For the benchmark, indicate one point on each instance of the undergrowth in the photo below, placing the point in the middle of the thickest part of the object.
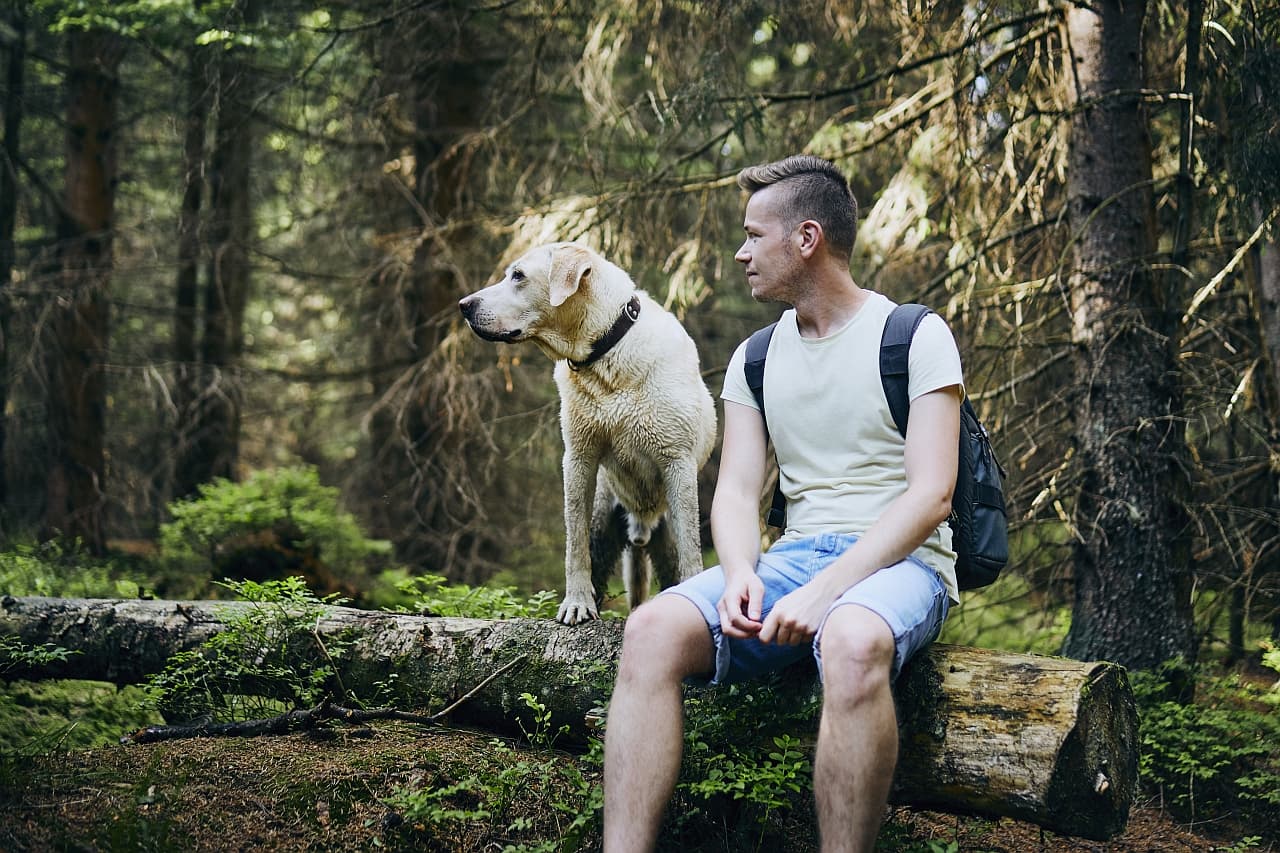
(66, 571)
(433, 595)
(475, 803)
(1217, 755)
(269, 658)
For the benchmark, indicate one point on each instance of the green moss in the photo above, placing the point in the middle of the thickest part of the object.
(69, 714)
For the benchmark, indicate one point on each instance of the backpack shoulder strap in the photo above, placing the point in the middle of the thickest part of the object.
(895, 351)
(757, 350)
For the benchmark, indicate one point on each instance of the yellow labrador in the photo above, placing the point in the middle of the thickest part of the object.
(637, 420)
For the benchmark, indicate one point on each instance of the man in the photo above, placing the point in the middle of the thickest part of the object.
(863, 575)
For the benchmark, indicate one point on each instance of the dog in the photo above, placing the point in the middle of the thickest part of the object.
(637, 420)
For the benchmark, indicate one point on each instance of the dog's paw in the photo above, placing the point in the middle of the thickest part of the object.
(576, 609)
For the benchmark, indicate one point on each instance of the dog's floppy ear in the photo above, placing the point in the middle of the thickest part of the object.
(569, 267)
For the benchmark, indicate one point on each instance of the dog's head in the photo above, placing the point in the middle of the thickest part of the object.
(531, 294)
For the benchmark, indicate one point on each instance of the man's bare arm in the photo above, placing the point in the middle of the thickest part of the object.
(735, 517)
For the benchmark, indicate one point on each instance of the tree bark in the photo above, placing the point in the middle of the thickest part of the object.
(187, 473)
(1042, 739)
(75, 492)
(15, 67)
(213, 428)
(1132, 559)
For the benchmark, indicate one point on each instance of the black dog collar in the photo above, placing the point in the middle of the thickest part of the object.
(630, 313)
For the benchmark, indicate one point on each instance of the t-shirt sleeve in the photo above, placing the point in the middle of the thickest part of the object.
(735, 388)
(934, 360)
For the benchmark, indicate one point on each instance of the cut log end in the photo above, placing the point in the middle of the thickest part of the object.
(1096, 774)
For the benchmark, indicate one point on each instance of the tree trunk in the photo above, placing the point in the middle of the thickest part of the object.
(186, 474)
(75, 495)
(15, 66)
(1266, 309)
(213, 439)
(1042, 739)
(1132, 561)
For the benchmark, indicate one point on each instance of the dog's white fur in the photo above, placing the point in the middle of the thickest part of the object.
(637, 425)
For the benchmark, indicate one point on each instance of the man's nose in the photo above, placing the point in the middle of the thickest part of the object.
(741, 256)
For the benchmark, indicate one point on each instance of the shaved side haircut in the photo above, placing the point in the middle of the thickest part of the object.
(812, 188)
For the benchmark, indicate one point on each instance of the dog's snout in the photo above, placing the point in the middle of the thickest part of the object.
(467, 305)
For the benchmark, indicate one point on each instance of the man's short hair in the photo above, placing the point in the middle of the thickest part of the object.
(813, 189)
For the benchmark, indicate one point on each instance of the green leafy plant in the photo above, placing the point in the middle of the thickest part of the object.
(15, 653)
(540, 735)
(276, 522)
(1271, 660)
(433, 595)
(762, 782)
(1215, 755)
(268, 657)
(55, 569)
(765, 782)
(549, 795)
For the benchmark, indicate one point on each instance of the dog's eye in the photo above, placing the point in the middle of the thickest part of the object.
(517, 275)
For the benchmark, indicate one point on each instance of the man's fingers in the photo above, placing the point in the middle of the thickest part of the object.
(742, 625)
(785, 632)
(769, 629)
(734, 618)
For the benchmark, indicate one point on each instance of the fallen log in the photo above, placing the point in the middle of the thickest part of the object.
(1036, 738)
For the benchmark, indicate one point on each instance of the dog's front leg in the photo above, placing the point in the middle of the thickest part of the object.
(682, 503)
(579, 603)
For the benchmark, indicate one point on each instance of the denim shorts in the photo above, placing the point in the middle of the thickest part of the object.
(908, 596)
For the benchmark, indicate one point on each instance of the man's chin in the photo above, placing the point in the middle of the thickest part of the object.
(760, 295)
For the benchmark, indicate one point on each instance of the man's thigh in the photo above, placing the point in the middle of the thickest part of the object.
(909, 598)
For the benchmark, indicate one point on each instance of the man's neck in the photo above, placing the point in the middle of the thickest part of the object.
(829, 307)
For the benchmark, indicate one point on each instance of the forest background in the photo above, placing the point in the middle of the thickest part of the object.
(233, 235)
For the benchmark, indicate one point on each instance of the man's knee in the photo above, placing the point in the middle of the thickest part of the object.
(857, 649)
(666, 636)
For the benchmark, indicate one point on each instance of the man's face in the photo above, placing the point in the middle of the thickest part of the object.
(768, 253)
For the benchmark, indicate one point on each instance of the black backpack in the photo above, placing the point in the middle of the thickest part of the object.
(979, 530)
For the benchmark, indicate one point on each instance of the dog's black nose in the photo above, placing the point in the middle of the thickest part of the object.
(467, 305)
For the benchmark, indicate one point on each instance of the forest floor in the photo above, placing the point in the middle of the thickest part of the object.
(339, 793)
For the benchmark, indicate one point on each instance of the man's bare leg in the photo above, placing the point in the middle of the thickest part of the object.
(666, 640)
(858, 736)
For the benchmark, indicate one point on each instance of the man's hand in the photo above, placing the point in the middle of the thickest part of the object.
(740, 605)
(798, 615)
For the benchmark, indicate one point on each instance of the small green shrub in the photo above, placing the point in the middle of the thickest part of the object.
(277, 522)
(1214, 756)
(268, 659)
(755, 785)
(15, 653)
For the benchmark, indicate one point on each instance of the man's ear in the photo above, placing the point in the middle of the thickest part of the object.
(569, 268)
(809, 236)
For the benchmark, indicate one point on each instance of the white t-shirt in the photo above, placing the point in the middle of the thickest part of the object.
(839, 453)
